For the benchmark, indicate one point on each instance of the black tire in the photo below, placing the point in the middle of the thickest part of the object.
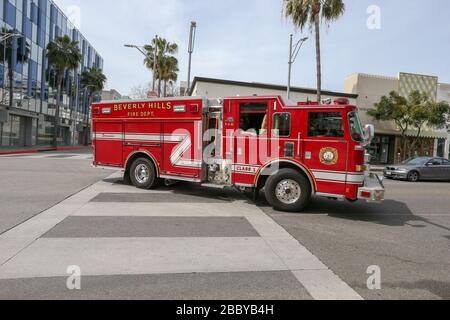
(284, 175)
(413, 176)
(143, 181)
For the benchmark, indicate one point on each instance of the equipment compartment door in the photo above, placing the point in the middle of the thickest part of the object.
(108, 144)
(182, 151)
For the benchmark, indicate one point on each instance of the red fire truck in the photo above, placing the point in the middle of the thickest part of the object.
(252, 143)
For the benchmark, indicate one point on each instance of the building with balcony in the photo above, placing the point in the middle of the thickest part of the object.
(29, 122)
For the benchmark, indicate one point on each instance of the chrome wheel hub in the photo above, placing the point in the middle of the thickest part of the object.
(142, 173)
(288, 191)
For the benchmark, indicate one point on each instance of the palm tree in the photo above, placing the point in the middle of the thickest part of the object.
(93, 80)
(165, 49)
(310, 13)
(169, 71)
(63, 54)
(6, 55)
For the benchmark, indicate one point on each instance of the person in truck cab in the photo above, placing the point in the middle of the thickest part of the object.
(245, 128)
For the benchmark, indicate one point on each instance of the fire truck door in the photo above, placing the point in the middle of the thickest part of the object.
(325, 151)
(251, 139)
(109, 143)
(182, 151)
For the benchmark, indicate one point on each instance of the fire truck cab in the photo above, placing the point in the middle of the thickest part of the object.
(292, 151)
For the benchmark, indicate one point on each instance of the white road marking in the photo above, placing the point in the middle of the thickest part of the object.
(325, 285)
(124, 256)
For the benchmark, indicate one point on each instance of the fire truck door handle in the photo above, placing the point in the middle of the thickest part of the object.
(299, 145)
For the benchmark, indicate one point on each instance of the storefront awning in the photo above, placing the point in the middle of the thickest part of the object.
(429, 134)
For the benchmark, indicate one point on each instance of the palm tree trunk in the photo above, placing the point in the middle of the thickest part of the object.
(318, 60)
(159, 88)
(165, 89)
(88, 130)
(58, 101)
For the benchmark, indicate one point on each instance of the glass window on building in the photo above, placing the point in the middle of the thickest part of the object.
(34, 125)
(45, 131)
(16, 133)
(2, 5)
(381, 149)
(6, 133)
(441, 148)
(19, 20)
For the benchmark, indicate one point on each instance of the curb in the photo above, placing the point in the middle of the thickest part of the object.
(43, 150)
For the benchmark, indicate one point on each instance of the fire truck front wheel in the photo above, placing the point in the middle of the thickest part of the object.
(143, 174)
(288, 190)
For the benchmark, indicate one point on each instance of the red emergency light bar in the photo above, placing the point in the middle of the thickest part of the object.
(337, 101)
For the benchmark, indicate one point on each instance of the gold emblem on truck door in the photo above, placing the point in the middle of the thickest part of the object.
(329, 156)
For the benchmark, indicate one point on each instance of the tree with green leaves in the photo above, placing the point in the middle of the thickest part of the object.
(169, 71)
(6, 55)
(311, 13)
(165, 50)
(63, 55)
(415, 112)
(93, 80)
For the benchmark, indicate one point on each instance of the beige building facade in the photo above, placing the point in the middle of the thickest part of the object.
(109, 95)
(369, 90)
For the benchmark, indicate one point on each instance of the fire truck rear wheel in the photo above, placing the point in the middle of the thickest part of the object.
(143, 174)
(288, 190)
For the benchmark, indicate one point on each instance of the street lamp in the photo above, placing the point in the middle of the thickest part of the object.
(136, 47)
(141, 50)
(190, 51)
(293, 53)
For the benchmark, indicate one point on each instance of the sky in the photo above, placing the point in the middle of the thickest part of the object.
(248, 40)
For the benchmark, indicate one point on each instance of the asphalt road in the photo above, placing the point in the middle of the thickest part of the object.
(407, 237)
(30, 185)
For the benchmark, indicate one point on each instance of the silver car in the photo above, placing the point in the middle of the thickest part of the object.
(423, 168)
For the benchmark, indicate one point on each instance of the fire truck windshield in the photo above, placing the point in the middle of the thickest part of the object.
(355, 127)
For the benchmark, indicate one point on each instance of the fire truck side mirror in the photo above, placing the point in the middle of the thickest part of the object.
(369, 132)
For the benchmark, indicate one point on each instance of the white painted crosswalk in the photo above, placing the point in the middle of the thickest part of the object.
(45, 246)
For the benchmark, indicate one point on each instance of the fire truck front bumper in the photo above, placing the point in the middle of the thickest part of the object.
(373, 190)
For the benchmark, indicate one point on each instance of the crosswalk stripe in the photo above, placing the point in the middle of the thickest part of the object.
(121, 256)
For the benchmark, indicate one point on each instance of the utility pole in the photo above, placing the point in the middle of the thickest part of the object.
(190, 51)
(293, 53)
(154, 63)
